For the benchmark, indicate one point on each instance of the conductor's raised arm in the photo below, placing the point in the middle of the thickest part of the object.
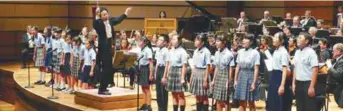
(119, 19)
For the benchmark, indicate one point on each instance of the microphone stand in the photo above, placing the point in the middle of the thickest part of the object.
(52, 81)
(29, 86)
(137, 80)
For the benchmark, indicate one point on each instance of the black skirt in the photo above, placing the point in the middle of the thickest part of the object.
(65, 69)
(144, 75)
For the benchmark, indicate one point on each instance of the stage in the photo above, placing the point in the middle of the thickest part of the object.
(36, 98)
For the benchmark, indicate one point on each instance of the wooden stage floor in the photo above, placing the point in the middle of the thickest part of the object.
(20, 76)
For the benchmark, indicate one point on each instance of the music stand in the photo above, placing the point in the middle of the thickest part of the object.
(227, 23)
(28, 74)
(278, 19)
(273, 29)
(118, 60)
(254, 28)
(333, 39)
(269, 23)
(322, 33)
(296, 31)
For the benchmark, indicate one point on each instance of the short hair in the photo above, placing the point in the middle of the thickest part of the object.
(29, 26)
(35, 28)
(58, 30)
(102, 9)
(339, 46)
(294, 39)
(202, 37)
(222, 38)
(280, 36)
(320, 21)
(77, 40)
(323, 40)
(307, 37)
(297, 17)
(308, 11)
(166, 38)
(266, 11)
(249, 37)
(313, 29)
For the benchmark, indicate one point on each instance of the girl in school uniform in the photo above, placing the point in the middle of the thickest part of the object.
(246, 74)
(61, 78)
(39, 53)
(65, 68)
(57, 54)
(224, 64)
(52, 46)
(89, 64)
(175, 71)
(161, 58)
(146, 72)
(277, 82)
(200, 73)
(48, 46)
(75, 63)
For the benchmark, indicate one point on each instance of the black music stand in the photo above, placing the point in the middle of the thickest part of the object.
(322, 33)
(333, 39)
(53, 80)
(296, 31)
(273, 30)
(254, 28)
(29, 86)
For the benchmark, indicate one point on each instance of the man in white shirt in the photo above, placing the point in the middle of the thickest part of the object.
(27, 46)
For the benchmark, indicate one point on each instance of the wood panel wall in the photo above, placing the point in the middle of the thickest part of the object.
(76, 14)
(320, 9)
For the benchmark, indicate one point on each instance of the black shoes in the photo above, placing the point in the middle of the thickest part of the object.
(106, 92)
(145, 107)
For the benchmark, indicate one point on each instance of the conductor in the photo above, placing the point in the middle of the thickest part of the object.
(103, 24)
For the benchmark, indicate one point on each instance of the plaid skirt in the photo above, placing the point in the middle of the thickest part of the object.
(196, 86)
(221, 91)
(39, 57)
(144, 75)
(48, 58)
(75, 69)
(242, 90)
(56, 61)
(65, 69)
(174, 80)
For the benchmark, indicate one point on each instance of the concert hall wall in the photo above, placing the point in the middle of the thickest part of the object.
(15, 16)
